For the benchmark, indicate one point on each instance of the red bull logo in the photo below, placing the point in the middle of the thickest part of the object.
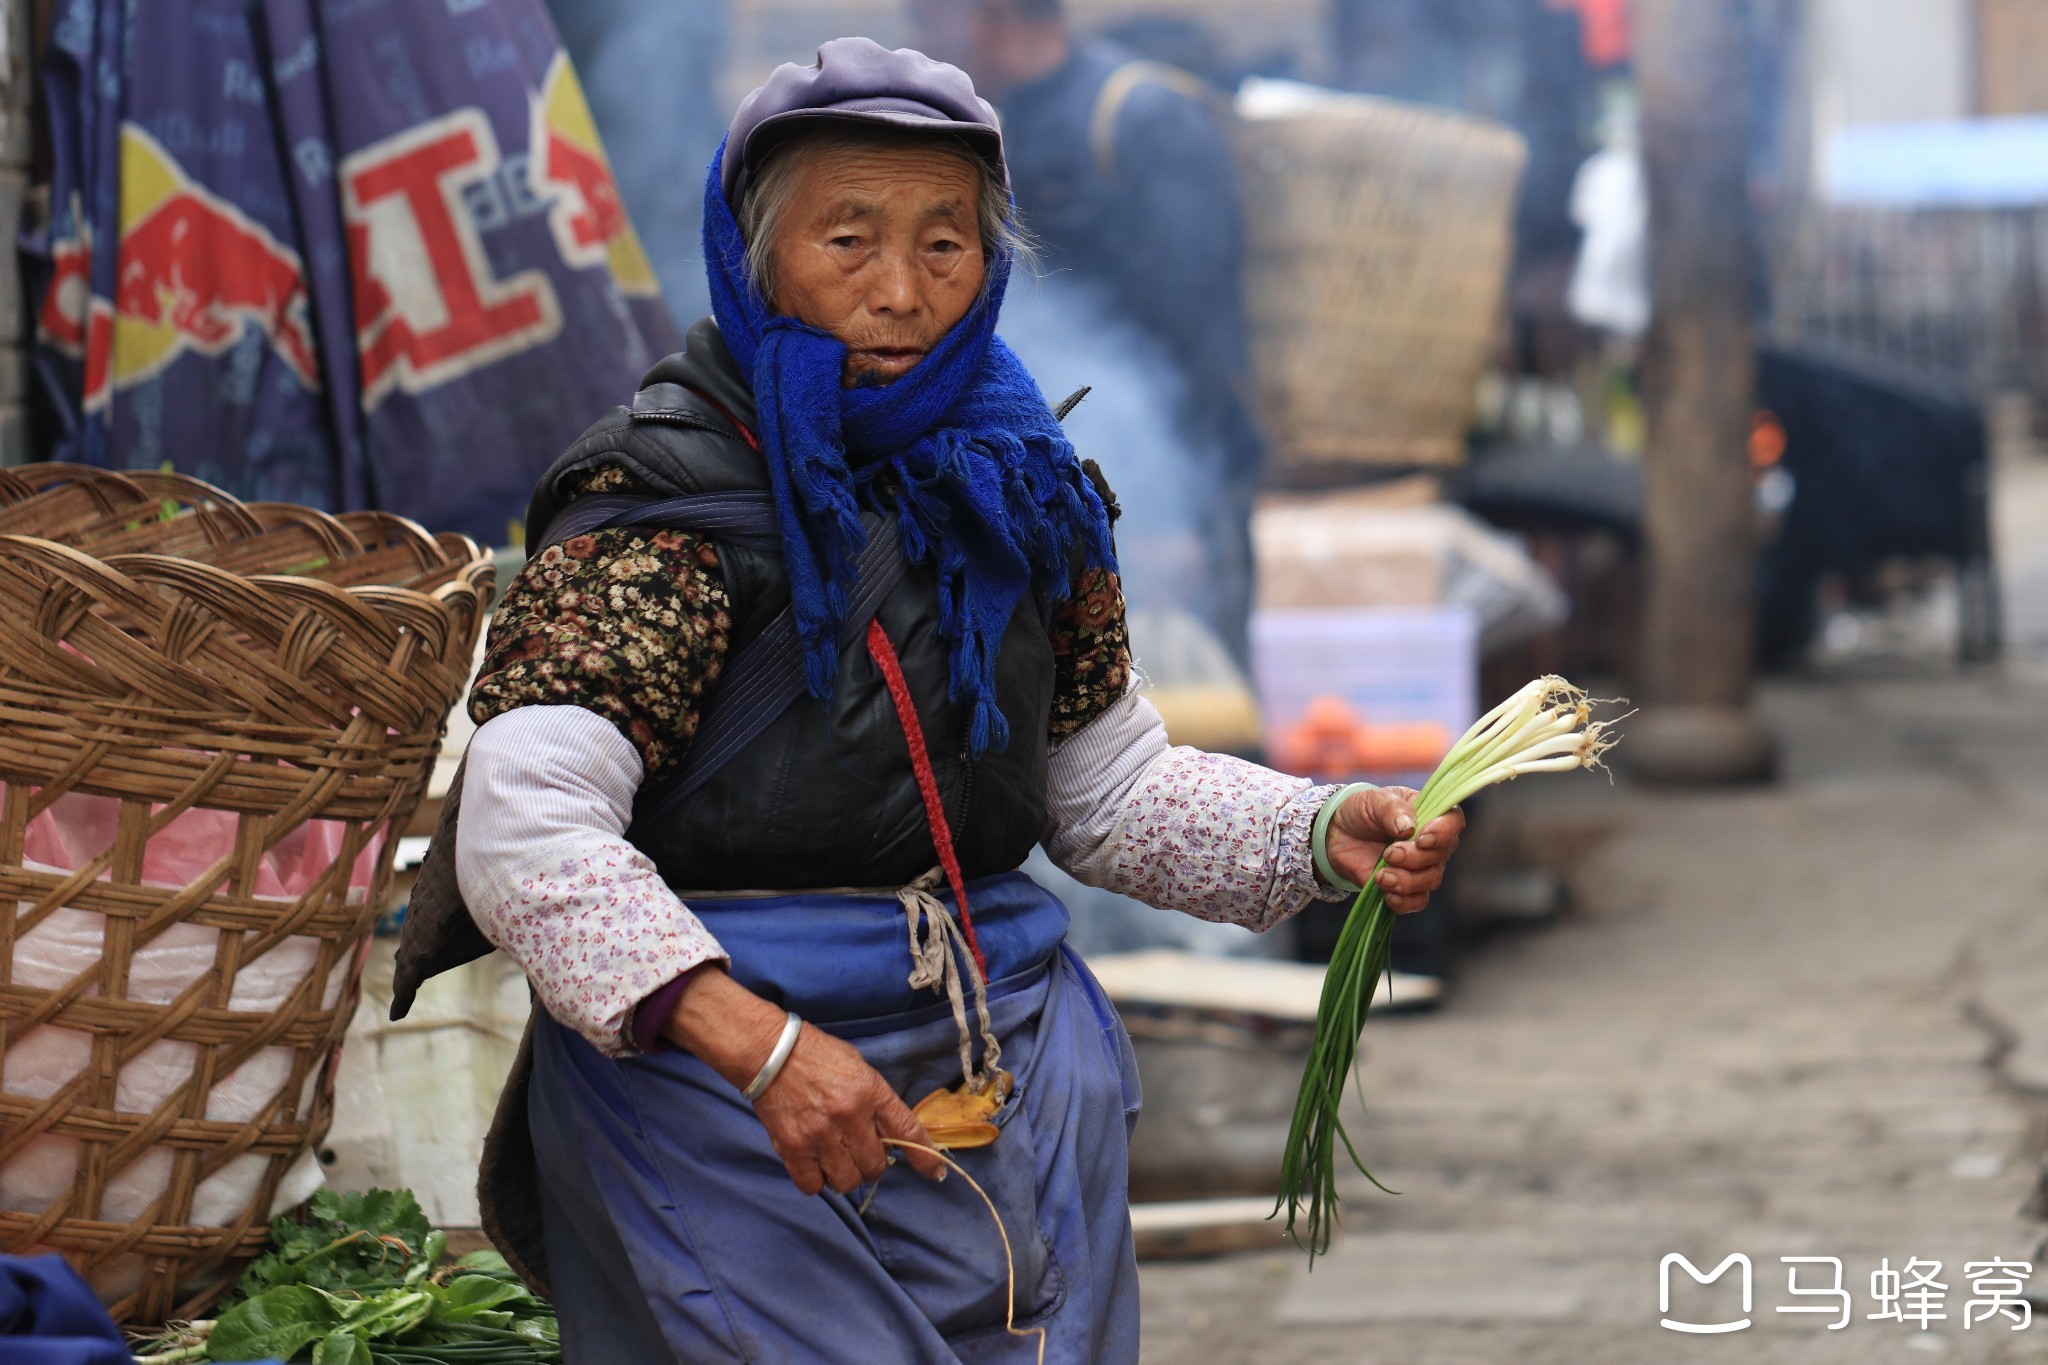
(428, 308)
(195, 274)
(71, 321)
(568, 167)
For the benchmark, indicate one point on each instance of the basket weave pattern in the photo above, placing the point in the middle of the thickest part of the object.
(1378, 242)
(168, 654)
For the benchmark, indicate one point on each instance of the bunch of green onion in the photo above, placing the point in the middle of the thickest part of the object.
(1547, 727)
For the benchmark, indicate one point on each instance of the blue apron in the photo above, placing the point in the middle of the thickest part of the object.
(674, 1231)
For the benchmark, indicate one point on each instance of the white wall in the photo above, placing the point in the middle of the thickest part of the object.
(1890, 61)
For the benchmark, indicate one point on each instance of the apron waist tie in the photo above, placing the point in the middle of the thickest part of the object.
(937, 948)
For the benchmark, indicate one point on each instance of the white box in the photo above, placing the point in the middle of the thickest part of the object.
(1390, 665)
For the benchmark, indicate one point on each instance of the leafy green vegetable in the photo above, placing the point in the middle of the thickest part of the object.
(348, 1242)
(281, 1323)
(487, 1262)
(390, 1314)
(430, 1256)
(465, 1296)
(342, 1348)
(358, 1281)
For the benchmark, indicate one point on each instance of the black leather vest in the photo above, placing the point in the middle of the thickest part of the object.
(825, 797)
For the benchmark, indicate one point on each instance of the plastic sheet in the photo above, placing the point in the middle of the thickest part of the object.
(72, 832)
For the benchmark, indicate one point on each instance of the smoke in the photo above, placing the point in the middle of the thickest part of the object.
(1068, 336)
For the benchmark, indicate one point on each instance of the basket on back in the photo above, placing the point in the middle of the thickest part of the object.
(214, 719)
(1379, 236)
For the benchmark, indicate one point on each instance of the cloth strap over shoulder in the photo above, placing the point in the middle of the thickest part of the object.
(1125, 82)
(745, 517)
(765, 676)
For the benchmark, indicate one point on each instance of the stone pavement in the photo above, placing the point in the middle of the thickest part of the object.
(1771, 1025)
(1810, 1020)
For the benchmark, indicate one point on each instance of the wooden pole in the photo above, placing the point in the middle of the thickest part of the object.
(1699, 378)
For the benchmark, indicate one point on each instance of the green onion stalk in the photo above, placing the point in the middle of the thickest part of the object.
(1547, 727)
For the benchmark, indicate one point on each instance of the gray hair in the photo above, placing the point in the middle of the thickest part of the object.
(772, 185)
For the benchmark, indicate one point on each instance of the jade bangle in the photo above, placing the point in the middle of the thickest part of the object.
(1318, 840)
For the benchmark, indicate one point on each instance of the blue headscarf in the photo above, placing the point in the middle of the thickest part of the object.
(990, 489)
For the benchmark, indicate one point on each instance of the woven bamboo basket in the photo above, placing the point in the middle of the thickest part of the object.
(214, 719)
(1379, 236)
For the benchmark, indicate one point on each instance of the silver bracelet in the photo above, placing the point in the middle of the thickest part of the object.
(772, 1068)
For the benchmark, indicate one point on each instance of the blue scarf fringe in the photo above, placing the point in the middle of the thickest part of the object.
(991, 491)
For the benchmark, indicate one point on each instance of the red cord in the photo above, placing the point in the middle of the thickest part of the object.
(884, 655)
(753, 441)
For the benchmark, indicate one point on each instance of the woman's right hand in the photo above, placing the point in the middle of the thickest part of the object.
(826, 1111)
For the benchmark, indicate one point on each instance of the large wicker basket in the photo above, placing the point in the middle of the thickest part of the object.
(214, 719)
(1379, 239)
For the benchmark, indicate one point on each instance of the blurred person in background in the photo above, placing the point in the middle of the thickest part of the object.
(1122, 171)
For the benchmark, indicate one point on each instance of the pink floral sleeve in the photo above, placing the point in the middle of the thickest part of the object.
(1207, 834)
(1217, 838)
(597, 931)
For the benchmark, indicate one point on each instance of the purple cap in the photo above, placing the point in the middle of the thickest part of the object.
(857, 80)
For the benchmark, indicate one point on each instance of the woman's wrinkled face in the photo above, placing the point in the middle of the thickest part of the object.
(880, 247)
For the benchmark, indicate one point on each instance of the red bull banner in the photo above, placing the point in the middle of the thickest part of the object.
(352, 253)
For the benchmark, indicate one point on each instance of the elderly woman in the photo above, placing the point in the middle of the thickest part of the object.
(825, 635)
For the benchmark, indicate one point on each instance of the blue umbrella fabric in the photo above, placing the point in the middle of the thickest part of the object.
(348, 253)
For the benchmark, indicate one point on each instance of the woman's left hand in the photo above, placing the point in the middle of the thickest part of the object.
(1382, 821)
